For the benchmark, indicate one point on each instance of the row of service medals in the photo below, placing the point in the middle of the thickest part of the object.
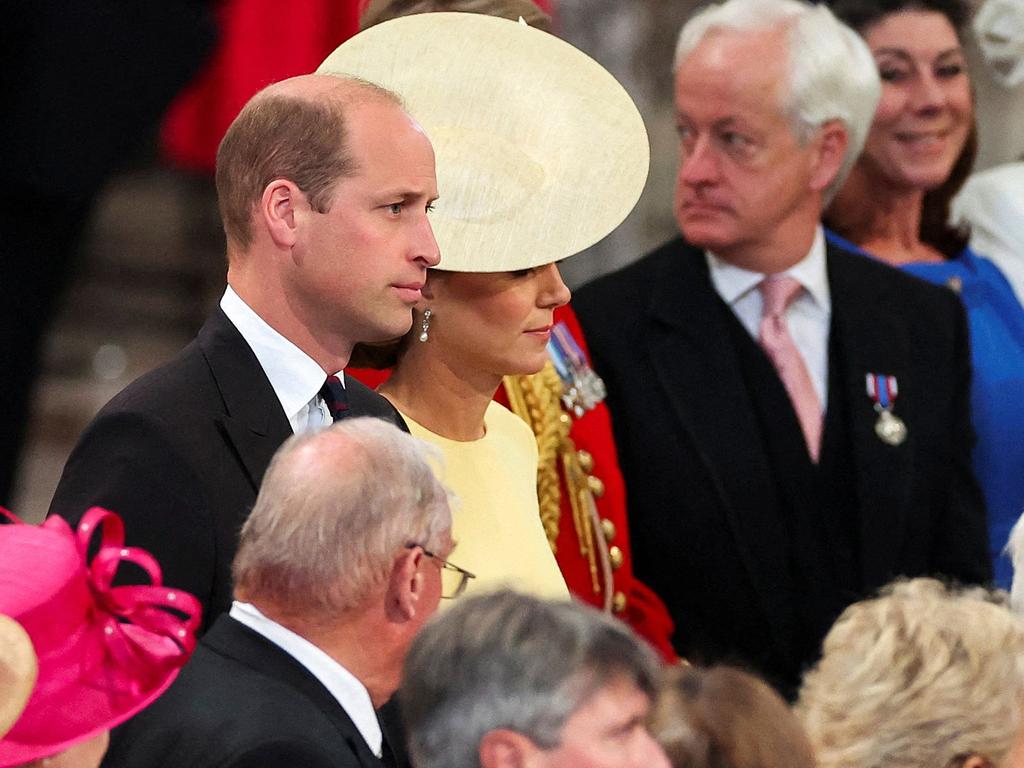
(582, 388)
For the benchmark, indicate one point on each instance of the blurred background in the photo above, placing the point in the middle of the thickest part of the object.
(113, 252)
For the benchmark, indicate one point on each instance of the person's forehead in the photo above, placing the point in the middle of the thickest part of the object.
(917, 34)
(372, 114)
(383, 136)
(618, 701)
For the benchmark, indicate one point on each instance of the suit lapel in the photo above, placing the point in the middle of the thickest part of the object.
(697, 367)
(253, 422)
(365, 402)
(230, 638)
(873, 340)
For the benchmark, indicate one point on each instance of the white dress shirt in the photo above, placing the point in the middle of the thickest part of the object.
(294, 375)
(808, 317)
(342, 684)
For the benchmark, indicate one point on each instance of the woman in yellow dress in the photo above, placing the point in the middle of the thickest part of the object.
(482, 327)
(540, 153)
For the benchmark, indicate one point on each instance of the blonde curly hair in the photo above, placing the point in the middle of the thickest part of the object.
(923, 676)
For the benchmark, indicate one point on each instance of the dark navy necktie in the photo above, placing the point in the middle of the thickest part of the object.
(335, 396)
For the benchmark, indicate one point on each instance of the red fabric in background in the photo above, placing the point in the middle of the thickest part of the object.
(262, 41)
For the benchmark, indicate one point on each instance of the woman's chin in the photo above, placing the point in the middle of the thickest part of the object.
(921, 177)
(527, 366)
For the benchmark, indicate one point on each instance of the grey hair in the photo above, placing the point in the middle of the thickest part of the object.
(510, 661)
(832, 74)
(334, 509)
(922, 676)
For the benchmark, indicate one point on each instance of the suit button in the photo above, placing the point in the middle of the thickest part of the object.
(596, 486)
(608, 529)
(615, 558)
(619, 602)
(586, 461)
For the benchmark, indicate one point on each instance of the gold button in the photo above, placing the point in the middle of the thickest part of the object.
(586, 460)
(619, 602)
(615, 557)
(564, 418)
(955, 284)
(596, 486)
(608, 529)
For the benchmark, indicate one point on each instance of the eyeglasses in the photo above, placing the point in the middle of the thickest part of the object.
(454, 579)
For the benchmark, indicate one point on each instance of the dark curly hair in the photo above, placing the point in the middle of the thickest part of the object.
(862, 15)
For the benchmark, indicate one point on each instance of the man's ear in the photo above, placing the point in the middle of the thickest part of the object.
(503, 748)
(829, 151)
(976, 761)
(282, 209)
(405, 585)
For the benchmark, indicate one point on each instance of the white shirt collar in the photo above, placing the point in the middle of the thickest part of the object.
(733, 283)
(295, 377)
(342, 684)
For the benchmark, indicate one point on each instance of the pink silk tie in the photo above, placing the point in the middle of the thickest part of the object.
(778, 294)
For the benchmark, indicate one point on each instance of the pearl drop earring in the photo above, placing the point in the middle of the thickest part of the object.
(425, 327)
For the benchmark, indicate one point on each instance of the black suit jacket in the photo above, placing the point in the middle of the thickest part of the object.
(180, 454)
(709, 532)
(241, 702)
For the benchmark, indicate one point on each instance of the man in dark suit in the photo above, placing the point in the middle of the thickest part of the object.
(786, 452)
(324, 185)
(338, 566)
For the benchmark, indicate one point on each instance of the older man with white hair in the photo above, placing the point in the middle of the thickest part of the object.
(337, 568)
(792, 419)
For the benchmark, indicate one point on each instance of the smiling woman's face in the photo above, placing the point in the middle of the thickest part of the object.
(926, 110)
(493, 323)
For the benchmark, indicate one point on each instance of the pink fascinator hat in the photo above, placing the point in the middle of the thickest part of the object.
(104, 652)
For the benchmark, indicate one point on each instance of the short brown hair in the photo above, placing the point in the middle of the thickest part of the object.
(721, 717)
(279, 137)
(377, 11)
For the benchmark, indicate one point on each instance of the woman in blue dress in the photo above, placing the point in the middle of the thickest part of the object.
(895, 207)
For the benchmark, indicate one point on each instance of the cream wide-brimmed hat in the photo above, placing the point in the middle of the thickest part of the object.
(18, 670)
(540, 152)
